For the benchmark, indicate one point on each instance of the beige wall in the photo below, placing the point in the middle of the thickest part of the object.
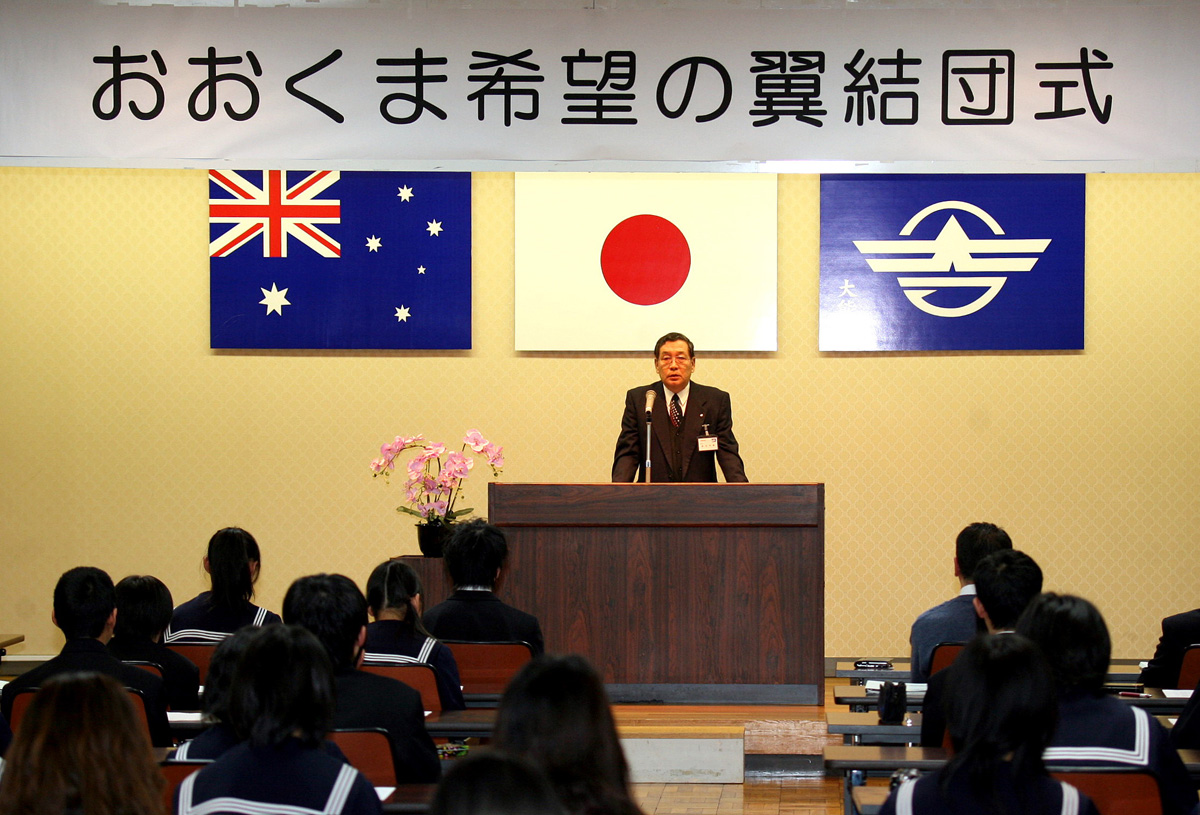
(126, 442)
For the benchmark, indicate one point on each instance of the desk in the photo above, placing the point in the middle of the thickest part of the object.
(864, 728)
(475, 722)
(447, 724)
(7, 640)
(409, 798)
(847, 759)
(859, 699)
(1120, 672)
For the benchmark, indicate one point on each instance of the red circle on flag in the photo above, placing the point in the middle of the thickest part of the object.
(645, 260)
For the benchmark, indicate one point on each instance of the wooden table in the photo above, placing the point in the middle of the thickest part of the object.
(475, 722)
(859, 699)
(1120, 672)
(409, 798)
(864, 728)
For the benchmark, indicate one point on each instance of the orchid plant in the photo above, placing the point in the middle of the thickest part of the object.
(435, 476)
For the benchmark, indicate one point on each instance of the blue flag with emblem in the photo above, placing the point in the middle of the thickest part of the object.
(339, 260)
(952, 262)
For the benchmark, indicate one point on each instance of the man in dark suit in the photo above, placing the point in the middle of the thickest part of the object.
(475, 557)
(85, 608)
(1178, 632)
(692, 424)
(333, 608)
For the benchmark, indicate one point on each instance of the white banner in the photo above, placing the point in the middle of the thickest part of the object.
(257, 86)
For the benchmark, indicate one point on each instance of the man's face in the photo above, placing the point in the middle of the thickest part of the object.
(675, 365)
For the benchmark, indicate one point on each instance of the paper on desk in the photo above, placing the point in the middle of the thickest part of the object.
(384, 792)
(875, 685)
(1177, 693)
(184, 716)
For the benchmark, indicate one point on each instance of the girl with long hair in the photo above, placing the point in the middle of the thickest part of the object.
(81, 750)
(398, 635)
(232, 562)
(556, 714)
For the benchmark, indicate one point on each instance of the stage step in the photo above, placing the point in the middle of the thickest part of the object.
(706, 754)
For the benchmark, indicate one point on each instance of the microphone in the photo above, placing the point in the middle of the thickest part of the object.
(651, 395)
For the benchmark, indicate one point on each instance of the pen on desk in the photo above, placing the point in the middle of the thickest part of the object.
(1128, 694)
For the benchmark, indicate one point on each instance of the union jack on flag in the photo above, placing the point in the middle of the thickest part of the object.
(274, 211)
(349, 259)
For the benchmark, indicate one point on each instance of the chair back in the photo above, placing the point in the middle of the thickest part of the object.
(944, 654)
(1115, 791)
(420, 676)
(20, 704)
(173, 772)
(149, 667)
(201, 655)
(24, 698)
(369, 750)
(487, 667)
(1189, 670)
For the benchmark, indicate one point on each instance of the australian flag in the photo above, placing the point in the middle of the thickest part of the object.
(952, 262)
(333, 259)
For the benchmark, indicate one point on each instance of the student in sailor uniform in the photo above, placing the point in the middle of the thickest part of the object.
(398, 636)
(282, 702)
(1095, 729)
(332, 607)
(232, 562)
(1000, 714)
(219, 736)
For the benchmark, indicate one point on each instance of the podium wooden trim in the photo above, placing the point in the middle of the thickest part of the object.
(686, 593)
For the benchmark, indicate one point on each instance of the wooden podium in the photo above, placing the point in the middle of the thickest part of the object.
(686, 593)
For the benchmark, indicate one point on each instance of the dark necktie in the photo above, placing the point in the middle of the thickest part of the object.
(676, 410)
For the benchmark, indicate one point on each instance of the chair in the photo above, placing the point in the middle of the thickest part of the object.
(1115, 791)
(173, 773)
(944, 654)
(420, 676)
(24, 697)
(201, 655)
(149, 667)
(369, 750)
(1189, 669)
(487, 667)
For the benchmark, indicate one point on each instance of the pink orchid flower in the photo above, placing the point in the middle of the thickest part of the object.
(475, 440)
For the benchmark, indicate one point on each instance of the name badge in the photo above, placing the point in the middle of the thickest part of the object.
(707, 444)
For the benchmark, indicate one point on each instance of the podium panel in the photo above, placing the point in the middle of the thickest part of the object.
(700, 593)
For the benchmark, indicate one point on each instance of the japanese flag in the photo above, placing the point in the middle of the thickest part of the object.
(612, 261)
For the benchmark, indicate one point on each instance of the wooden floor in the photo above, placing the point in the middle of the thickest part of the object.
(767, 796)
(775, 729)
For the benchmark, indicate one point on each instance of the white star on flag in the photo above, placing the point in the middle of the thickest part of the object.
(405, 193)
(435, 228)
(373, 243)
(274, 299)
(420, 270)
(402, 314)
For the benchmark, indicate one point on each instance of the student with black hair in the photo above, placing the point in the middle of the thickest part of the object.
(281, 704)
(556, 714)
(398, 636)
(143, 613)
(475, 556)
(85, 608)
(1001, 713)
(955, 620)
(232, 561)
(1005, 582)
(219, 736)
(495, 783)
(1095, 729)
(332, 608)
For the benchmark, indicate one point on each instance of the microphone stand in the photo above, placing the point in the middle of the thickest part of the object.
(647, 464)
